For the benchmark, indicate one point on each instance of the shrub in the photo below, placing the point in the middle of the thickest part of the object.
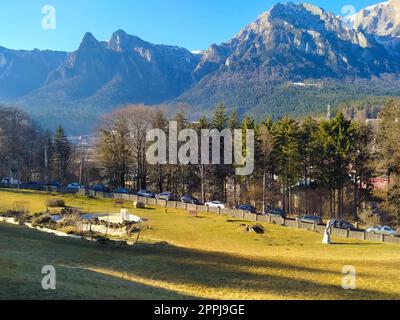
(10, 214)
(55, 203)
(139, 205)
(71, 212)
(41, 219)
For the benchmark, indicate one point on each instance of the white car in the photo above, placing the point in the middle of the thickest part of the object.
(10, 181)
(382, 230)
(215, 204)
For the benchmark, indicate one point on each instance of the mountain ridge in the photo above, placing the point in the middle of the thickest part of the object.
(290, 43)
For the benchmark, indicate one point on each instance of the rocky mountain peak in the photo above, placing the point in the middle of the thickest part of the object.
(89, 42)
(122, 41)
(382, 19)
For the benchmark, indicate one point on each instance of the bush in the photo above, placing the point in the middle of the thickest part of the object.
(72, 217)
(71, 212)
(139, 205)
(55, 203)
(41, 219)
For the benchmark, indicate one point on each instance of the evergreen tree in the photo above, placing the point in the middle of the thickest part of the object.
(61, 153)
(219, 118)
(265, 163)
(234, 120)
(388, 138)
(361, 164)
(335, 138)
(203, 169)
(220, 171)
(308, 153)
(286, 157)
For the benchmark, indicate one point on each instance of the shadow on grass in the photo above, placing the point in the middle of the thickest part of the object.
(32, 193)
(81, 284)
(360, 244)
(219, 274)
(238, 221)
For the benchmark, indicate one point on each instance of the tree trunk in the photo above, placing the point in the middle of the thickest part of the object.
(264, 191)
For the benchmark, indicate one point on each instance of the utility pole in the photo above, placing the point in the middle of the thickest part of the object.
(81, 164)
(46, 166)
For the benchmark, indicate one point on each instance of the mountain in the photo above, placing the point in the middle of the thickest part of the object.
(295, 58)
(261, 68)
(22, 71)
(123, 70)
(382, 21)
(102, 75)
(299, 41)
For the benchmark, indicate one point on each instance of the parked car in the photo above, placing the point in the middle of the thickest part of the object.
(74, 186)
(341, 224)
(146, 194)
(215, 204)
(276, 213)
(310, 219)
(54, 184)
(121, 191)
(34, 185)
(167, 196)
(247, 207)
(382, 230)
(100, 188)
(10, 181)
(190, 199)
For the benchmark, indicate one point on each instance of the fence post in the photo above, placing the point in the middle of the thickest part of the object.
(347, 233)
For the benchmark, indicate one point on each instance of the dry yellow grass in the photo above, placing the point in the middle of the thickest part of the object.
(208, 256)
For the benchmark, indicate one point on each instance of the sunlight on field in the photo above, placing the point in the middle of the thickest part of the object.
(184, 257)
(34, 202)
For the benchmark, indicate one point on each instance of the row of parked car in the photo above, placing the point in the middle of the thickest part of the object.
(275, 212)
(189, 199)
(339, 224)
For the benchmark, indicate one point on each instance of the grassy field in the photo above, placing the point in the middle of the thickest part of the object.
(183, 257)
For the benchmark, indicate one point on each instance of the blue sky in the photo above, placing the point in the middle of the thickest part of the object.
(193, 24)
